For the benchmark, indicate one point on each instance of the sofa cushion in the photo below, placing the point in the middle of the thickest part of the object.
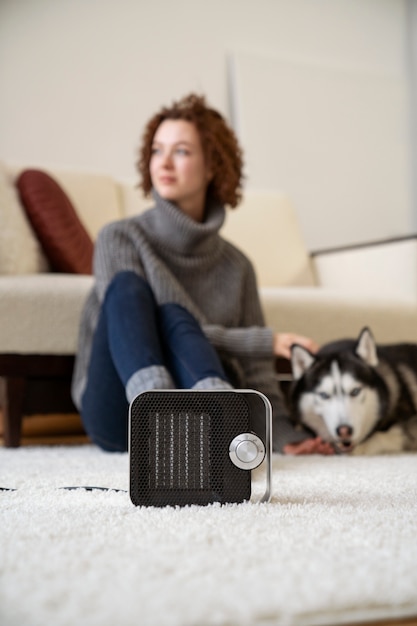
(66, 243)
(20, 250)
(329, 314)
(96, 197)
(40, 314)
(265, 227)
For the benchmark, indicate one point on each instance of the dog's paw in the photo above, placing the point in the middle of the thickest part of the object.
(390, 442)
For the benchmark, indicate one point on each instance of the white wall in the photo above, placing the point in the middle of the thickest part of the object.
(411, 54)
(79, 78)
(336, 136)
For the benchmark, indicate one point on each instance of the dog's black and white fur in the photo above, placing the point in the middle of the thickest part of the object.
(359, 396)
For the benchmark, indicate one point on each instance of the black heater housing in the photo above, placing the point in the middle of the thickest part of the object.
(197, 447)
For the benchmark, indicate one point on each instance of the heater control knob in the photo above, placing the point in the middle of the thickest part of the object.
(247, 451)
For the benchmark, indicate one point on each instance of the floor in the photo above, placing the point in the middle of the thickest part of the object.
(67, 430)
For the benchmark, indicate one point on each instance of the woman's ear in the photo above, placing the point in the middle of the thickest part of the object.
(209, 168)
(209, 174)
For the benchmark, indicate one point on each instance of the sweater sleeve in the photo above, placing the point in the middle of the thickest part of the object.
(255, 341)
(250, 338)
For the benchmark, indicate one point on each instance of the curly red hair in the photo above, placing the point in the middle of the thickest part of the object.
(220, 146)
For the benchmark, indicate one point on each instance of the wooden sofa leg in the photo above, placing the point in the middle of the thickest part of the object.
(14, 393)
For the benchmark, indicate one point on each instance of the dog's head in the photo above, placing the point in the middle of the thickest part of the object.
(338, 393)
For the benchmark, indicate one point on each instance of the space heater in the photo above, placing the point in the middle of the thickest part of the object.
(198, 447)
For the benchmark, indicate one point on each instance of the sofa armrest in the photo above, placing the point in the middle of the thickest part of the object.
(381, 268)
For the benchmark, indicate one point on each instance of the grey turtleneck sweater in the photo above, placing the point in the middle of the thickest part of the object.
(189, 263)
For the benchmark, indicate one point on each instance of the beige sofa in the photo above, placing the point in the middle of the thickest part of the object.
(325, 296)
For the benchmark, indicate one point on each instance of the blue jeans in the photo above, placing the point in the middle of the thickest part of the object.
(134, 333)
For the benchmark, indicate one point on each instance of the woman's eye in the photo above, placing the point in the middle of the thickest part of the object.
(355, 391)
(155, 151)
(182, 151)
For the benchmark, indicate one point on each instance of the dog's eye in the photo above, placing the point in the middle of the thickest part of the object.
(355, 391)
(323, 395)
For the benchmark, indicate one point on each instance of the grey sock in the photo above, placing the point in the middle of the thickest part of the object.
(212, 382)
(153, 377)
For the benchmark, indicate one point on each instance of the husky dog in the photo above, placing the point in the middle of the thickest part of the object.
(359, 396)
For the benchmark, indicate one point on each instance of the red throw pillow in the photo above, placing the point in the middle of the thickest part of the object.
(65, 241)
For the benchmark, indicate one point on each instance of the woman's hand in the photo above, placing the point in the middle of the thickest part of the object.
(309, 446)
(284, 341)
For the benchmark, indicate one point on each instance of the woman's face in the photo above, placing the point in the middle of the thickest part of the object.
(178, 169)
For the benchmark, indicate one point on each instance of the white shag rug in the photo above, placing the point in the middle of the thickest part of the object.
(337, 544)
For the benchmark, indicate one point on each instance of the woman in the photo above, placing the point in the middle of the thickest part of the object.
(174, 305)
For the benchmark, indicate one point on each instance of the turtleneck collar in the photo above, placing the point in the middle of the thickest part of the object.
(175, 231)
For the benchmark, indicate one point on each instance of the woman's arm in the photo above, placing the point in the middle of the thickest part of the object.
(115, 251)
(252, 338)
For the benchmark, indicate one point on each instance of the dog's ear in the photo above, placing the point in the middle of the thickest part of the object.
(366, 347)
(301, 360)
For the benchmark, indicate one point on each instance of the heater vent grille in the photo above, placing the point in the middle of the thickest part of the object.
(179, 450)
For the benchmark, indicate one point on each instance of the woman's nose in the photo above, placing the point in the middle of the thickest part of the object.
(167, 160)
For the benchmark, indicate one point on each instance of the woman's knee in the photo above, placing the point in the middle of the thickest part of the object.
(173, 315)
(128, 283)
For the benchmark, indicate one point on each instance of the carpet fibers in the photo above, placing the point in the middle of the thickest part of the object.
(337, 544)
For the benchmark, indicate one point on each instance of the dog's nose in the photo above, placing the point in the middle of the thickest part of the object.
(344, 431)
